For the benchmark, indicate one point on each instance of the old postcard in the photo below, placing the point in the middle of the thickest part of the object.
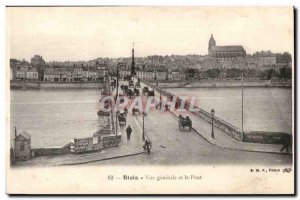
(150, 100)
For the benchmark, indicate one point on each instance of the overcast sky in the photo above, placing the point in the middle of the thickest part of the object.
(87, 33)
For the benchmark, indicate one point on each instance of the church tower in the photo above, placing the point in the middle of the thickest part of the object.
(132, 73)
(211, 43)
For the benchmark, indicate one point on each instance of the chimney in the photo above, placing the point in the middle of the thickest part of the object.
(16, 132)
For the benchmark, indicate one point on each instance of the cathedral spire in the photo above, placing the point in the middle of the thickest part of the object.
(211, 43)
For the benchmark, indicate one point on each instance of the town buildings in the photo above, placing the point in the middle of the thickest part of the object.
(262, 59)
(176, 75)
(32, 74)
(21, 73)
(26, 72)
(157, 68)
(76, 73)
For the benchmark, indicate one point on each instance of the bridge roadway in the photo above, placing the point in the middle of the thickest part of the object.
(170, 146)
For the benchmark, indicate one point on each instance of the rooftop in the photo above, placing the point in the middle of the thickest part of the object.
(25, 135)
(33, 70)
(23, 69)
(227, 48)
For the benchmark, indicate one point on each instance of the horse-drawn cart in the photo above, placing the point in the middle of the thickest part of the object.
(184, 122)
(145, 91)
(136, 92)
(122, 118)
(151, 93)
(135, 110)
(138, 85)
(131, 83)
(130, 93)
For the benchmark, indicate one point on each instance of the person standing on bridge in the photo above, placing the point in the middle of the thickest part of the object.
(286, 141)
(128, 131)
(147, 146)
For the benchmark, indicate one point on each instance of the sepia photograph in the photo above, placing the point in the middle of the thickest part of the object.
(150, 100)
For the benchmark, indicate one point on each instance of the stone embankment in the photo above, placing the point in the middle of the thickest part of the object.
(54, 85)
(222, 84)
(163, 84)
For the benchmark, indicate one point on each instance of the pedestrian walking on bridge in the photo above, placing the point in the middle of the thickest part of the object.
(147, 146)
(128, 131)
(286, 141)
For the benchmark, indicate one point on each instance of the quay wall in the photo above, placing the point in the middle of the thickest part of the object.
(51, 151)
(222, 84)
(76, 85)
(265, 137)
(17, 84)
(54, 85)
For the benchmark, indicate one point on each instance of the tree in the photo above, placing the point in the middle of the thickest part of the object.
(270, 73)
(285, 73)
(13, 62)
(39, 63)
(233, 73)
(213, 73)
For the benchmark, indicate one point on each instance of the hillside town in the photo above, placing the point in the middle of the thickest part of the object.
(221, 62)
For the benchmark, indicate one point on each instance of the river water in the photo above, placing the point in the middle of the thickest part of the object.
(265, 109)
(53, 117)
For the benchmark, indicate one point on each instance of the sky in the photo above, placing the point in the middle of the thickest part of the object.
(85, 33)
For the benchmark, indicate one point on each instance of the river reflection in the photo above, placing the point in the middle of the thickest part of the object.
(53, 117)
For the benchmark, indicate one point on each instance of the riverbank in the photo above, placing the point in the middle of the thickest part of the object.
(223, 84)
(163, 84)
(54, 85)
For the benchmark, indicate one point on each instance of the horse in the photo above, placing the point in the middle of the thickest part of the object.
(135, 110)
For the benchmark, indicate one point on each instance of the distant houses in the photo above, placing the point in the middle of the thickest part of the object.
(155, 73)
(99, 72)
(27, 73)
(221, 62)
(32, 74)
(21, 73)
(62, 74)
(261, 59)
(171, 75)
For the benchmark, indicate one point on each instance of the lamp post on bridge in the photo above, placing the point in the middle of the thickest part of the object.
(212, 123)
(155, 78)
(144, 115)
(117, 95)
(116, 98)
